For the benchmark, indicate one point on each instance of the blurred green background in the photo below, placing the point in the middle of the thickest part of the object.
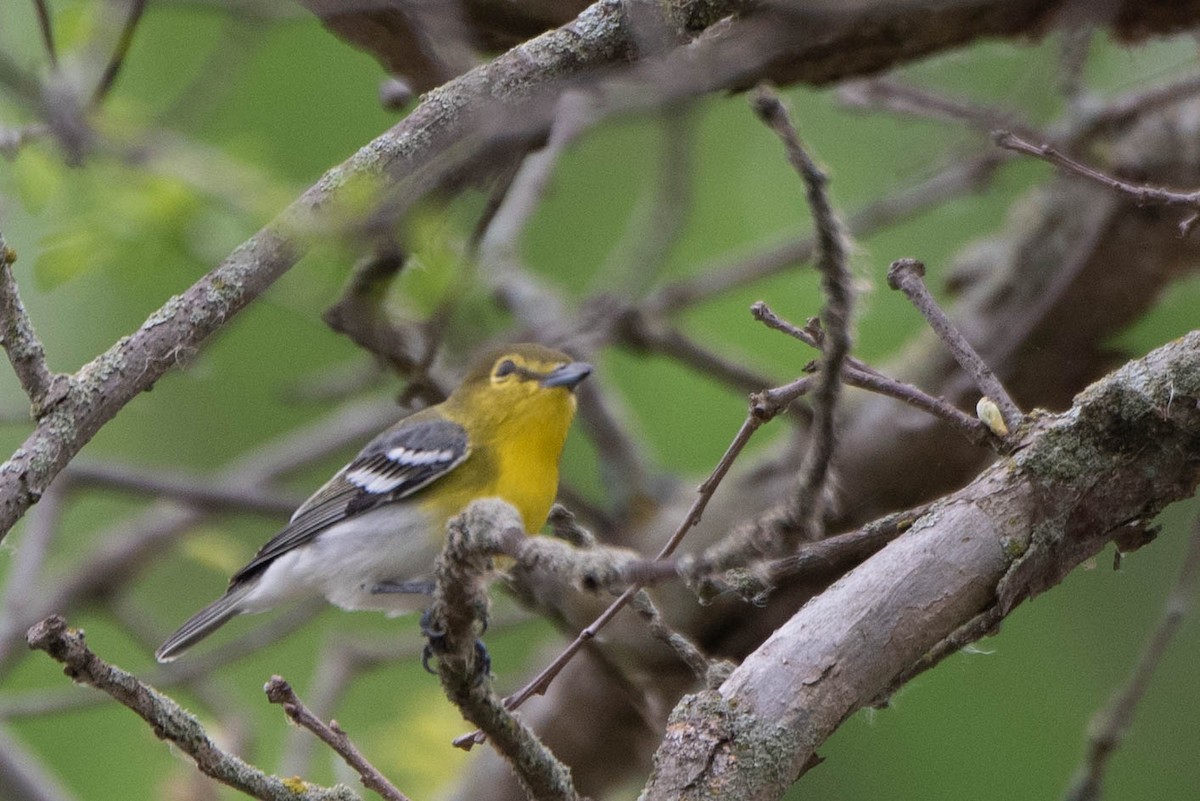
(261, 111)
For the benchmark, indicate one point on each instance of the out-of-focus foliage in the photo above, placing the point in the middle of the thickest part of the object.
(251, 114)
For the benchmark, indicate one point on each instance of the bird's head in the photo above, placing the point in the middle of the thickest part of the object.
(525, 378)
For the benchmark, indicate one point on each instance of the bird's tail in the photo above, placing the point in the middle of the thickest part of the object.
(204, 623)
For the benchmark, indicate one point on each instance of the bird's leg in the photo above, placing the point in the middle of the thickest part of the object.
(393, 586)
(436, 641)
(437, 644)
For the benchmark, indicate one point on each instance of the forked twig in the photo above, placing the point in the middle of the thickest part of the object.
(169, 720)
(906, 275)
(280, 692)
(539, 683)
(1141, 194)
(859, 374)
(836, 285)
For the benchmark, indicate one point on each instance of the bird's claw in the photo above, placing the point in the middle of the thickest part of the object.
(436, 645)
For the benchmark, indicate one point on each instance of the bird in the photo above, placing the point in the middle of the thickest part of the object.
(368, 538)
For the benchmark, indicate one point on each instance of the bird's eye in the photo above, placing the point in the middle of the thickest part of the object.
(504, 368)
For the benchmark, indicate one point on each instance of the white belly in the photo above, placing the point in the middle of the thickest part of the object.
(345, 561)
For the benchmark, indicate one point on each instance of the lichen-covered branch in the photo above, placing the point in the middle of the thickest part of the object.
(439, 141)
(485, 530)
(19, 341)
(132, 365)
(169, 720)
(1126, 449)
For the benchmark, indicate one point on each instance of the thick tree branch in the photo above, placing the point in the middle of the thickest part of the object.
(102, 387)
(1125, 450)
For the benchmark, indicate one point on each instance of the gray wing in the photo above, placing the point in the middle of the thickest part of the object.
(399, 462)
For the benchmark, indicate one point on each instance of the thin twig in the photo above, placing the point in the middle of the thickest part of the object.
(541, 682)
(192, 490)
(638, 329)
(835, 555)
(47, 29)
(109, 77)
(905, 275)
(684, 648)
(280, 692)
(727, 273)
(361, 313)
(809, 335)
(332, 675)
(1110, 724)
(900, 98)
(169, 720)
(24, 777)
(1141, 194)
(342, 660)
(21, 343)
(38, 703)
(970, 427)
(859, 374)
(836, 284)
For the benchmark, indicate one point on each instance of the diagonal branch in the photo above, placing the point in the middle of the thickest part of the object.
(1014, 532)
(169, 720)
(1141, 194)
(102, 387)
(1109, 726)
(905, 275)
(20, 342)
(116, 60)
(280, 692)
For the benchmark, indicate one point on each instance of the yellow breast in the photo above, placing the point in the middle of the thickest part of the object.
(514, 458)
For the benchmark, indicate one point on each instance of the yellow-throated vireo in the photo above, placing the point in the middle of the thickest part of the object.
(368, 538)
